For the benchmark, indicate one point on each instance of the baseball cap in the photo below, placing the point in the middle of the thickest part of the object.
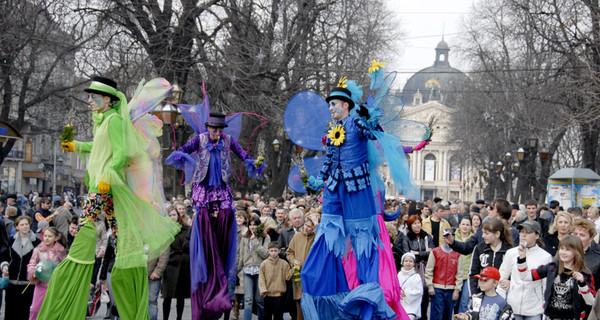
(488, 273)
(479, 201)
(41, 225)
(515, 206)
(530, 226)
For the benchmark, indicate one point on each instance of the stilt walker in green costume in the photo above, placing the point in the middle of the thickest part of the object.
(120, 157)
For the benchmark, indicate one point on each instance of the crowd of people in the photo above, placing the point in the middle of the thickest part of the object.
(499, 260)
(496, 260)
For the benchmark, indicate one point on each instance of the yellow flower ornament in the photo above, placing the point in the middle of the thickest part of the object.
(375, 66)
(337, 135)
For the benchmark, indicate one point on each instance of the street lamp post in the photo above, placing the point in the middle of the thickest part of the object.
(168, 112)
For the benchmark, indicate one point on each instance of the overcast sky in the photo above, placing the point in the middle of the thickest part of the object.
(424, 22)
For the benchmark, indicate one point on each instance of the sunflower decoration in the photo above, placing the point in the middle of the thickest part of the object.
(337, 135)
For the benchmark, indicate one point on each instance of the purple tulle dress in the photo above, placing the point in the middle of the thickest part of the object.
(213, 243)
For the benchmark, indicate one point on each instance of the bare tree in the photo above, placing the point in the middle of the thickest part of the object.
(517, 92)
(255, 55)
(38, 46)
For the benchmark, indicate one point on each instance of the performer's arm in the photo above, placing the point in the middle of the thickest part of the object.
(364, 131)
(115, 133)
(239, 151)
(191, 146)
(33, 261)
(85, 147)
(254, 169)
(324, 174)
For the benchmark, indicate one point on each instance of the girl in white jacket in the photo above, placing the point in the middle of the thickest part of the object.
(412, 286)
(526, 298)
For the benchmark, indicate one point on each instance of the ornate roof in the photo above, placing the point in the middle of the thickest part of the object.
(435, 82)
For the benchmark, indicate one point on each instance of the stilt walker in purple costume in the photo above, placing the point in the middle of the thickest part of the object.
(213, 243)
(349, 211)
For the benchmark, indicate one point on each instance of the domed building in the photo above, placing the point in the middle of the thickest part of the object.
(439, 169)
(435, 83)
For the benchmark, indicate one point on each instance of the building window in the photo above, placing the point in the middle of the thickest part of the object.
(429, 167)
(455, 169)
(428, 194)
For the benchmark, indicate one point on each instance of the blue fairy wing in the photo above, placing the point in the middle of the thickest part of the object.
(385, 87)
(408, 130)
(306, 118)
(313, 166)
(391, 106)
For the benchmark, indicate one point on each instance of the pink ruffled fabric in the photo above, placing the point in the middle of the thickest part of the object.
(388, 276)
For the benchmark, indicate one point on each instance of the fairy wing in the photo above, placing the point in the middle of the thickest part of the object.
(144, 173)
(147, 96)
(408, 130)
(306, 118)
(313, 166)
(234, 125)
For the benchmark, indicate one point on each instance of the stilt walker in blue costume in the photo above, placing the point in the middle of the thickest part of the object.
(349, 211)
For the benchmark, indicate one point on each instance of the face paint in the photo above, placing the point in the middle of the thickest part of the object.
(98, 101)
(333, 107)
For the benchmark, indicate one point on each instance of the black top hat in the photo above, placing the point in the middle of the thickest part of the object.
(104, 86)
(341, 94)
(216, 120)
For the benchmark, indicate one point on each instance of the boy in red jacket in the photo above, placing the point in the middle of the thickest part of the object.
(444, 279)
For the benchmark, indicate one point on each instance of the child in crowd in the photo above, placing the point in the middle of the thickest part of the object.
(444, 277)
(412, 287)
(52, 248)
(487, 305)
(5, 280)
(271, 282)
(569, 291)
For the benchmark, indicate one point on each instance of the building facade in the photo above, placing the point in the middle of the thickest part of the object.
(439, 169)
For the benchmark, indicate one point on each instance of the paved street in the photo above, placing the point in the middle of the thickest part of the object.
(187, 312)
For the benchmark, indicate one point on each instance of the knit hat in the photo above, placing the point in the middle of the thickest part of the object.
(408, 254)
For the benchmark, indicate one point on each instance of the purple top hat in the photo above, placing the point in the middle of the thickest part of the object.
(216, 120)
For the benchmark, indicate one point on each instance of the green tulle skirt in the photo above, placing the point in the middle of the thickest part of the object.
(143, 233)
(69, 286)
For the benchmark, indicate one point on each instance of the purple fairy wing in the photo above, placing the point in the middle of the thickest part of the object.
(234, 122)
(313, 166)
(306, 118)
(195, 115)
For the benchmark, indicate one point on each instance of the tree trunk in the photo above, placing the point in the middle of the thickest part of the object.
(589, 141)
